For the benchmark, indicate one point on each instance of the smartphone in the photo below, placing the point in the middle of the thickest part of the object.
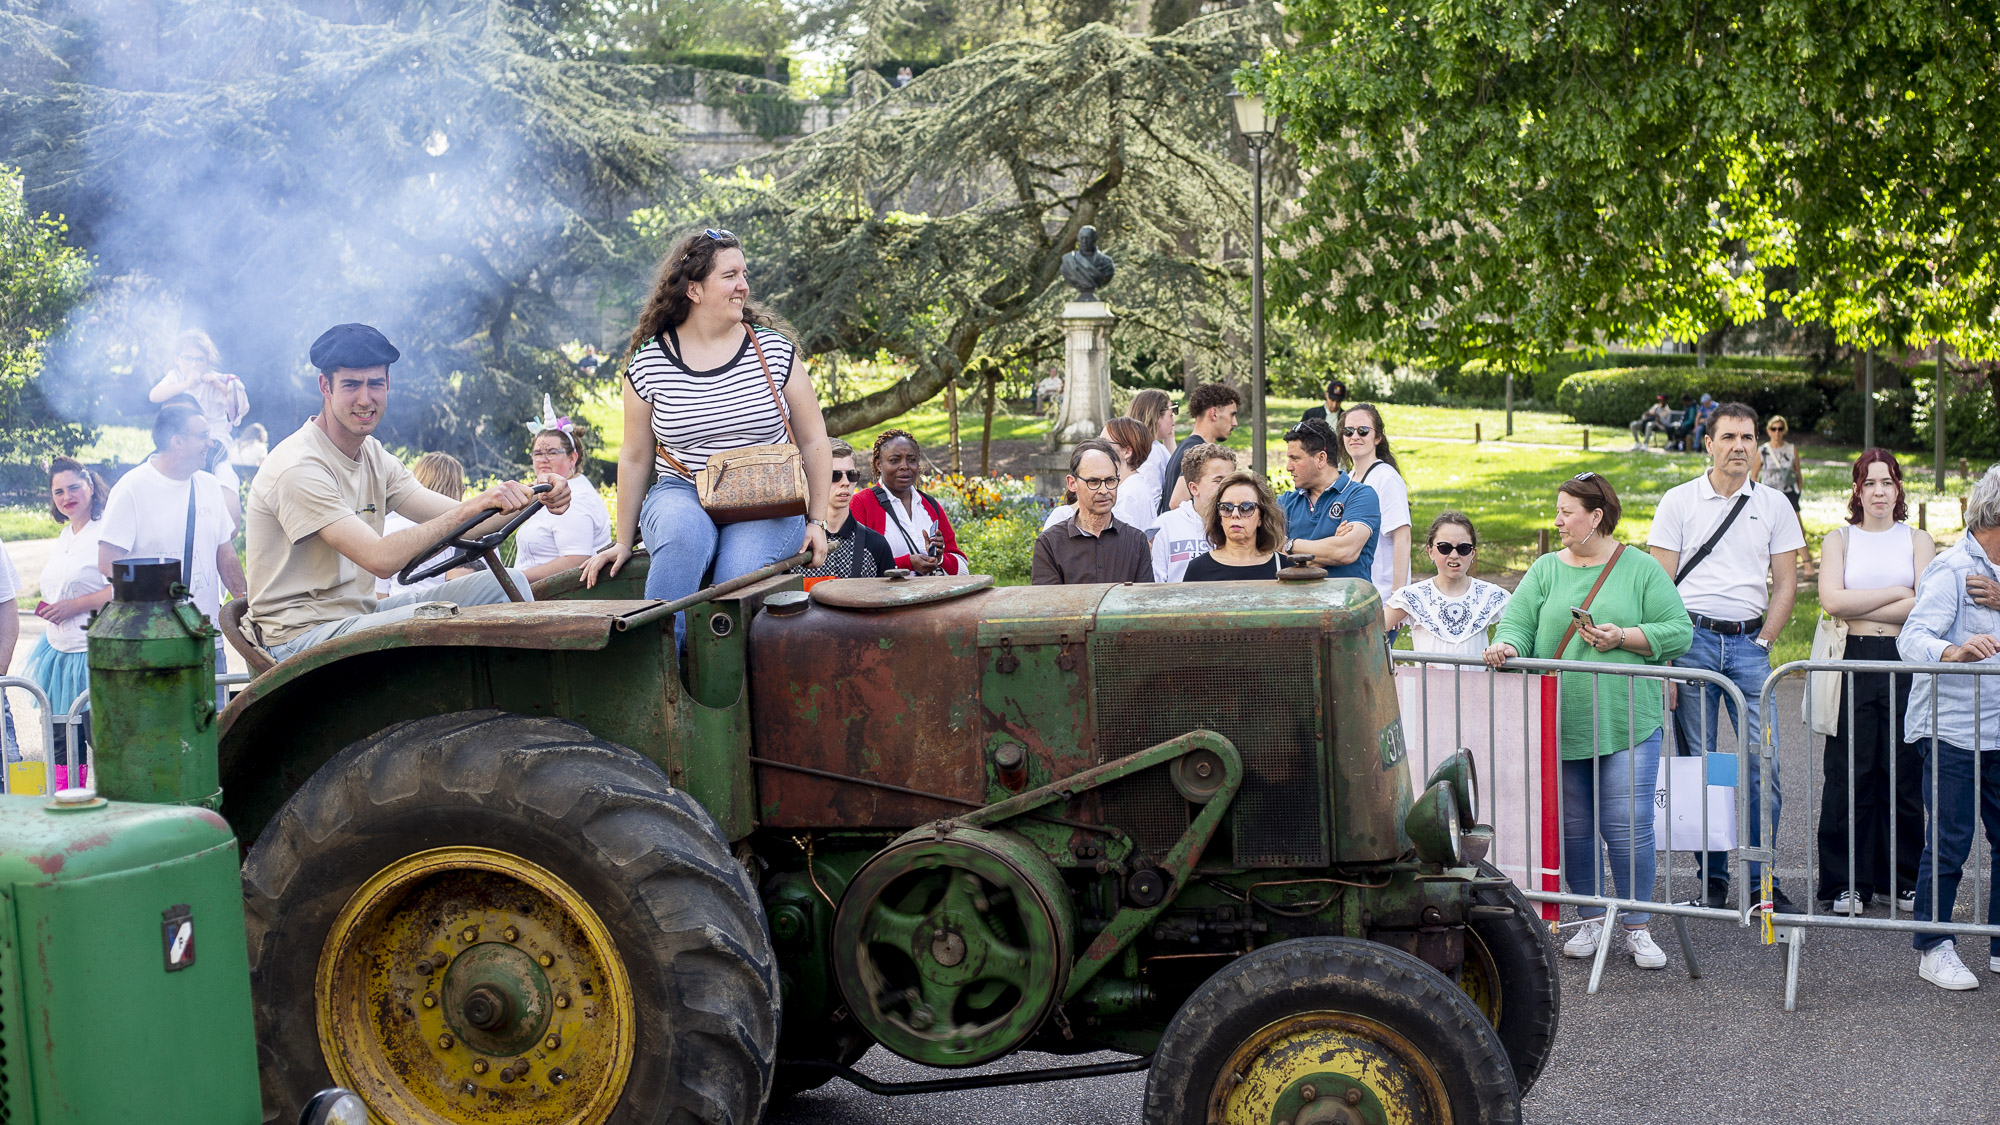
(1582, 616)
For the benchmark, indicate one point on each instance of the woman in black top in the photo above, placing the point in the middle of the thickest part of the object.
(1246, 525)
(852, 549)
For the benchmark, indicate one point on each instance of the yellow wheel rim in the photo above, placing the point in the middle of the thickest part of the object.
(470, 985)
(1328, 1068)
(1480, 979)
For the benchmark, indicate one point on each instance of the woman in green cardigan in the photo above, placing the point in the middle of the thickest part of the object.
(1610, 740)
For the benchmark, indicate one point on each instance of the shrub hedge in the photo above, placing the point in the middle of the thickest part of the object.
(1480, 379)
(1617, 396)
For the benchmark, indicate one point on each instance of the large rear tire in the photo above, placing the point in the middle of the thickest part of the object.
(1333, 1018)
(1519, 976)
(490, 917)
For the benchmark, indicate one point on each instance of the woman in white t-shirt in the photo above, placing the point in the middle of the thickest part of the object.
(549, 543)
(1138, 501)
(72, 589)
(442, 474)
(1364, 445)
(1154, 409)
(1450, 612)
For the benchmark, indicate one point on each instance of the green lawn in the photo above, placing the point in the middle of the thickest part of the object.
(27, 521)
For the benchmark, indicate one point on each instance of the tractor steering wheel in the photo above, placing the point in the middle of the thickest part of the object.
(483, 548)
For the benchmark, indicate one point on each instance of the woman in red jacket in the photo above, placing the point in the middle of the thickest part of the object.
(913, 522)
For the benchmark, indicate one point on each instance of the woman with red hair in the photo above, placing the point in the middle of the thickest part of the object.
(1868, 580)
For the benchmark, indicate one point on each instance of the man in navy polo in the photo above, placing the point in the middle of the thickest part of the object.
(1329, 516)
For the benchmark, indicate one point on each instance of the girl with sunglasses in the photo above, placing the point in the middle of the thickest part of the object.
(1364, 445)
(852, 550)
(1246, 527)
(1776, 465)
(1450, 611)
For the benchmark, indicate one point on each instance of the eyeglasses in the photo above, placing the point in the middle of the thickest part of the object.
(1097, 484)
(547, 452)
(1774, 429)
(1356, 431)
(851, 476)
(1465, 549)
(1229, 509)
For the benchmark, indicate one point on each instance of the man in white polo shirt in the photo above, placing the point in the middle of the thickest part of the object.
(1731, 545)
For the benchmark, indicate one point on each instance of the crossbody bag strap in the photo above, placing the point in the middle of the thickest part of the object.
(888, 503)
(1590, 597)
(187, 545)
(783, 414)
(1687, 567)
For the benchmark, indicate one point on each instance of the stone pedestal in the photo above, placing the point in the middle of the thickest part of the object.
(1086, 404)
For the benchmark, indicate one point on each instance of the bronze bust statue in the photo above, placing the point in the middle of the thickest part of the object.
(1087, 267)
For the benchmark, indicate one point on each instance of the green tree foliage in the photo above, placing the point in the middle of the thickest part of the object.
(1504, 177)
(41, 279)
(263, 172)
(931, 224)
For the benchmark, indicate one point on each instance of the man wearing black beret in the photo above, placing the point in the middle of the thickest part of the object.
(314, 522)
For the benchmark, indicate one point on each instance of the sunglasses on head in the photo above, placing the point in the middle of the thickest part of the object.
(851, 476)
(1465, 549)
(718, 235)
(1230, 509)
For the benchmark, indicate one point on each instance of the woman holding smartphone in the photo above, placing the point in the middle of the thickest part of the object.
(1594, 600)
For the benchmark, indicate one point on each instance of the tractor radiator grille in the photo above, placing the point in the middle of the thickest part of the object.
(1259, 689)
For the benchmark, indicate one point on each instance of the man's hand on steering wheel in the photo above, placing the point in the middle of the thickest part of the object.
(556, 499)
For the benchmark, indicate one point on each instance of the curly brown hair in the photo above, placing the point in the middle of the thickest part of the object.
(691, 261)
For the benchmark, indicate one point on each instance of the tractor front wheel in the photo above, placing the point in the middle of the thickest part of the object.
(1512, 975)
(488, 917)
(1332, 1031)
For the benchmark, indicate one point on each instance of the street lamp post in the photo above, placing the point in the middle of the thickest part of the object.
(1257, 130)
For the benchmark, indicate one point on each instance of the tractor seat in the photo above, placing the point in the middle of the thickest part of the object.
(253, 654)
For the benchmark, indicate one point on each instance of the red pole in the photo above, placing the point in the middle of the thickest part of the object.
(1551, 849)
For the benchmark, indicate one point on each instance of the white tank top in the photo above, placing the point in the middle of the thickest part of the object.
(1880, 559)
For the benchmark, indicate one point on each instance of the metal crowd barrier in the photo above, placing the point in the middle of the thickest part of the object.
(1977, 869)
(71, 723)
(1440, 693)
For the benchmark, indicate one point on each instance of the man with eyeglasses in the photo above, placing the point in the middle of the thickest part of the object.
(1092, 545)
(1329, 516)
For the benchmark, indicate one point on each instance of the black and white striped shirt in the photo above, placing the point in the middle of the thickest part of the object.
(698, 414)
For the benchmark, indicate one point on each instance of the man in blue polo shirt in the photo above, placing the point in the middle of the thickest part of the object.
(1329, 516)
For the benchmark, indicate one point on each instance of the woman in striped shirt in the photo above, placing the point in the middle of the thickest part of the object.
(700, 377)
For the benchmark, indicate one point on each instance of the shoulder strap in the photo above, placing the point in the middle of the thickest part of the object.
(783, 414)
(187, 545)
(1688, 566)
(1590, 597)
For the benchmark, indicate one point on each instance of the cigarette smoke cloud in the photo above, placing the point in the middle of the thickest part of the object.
(262, 171)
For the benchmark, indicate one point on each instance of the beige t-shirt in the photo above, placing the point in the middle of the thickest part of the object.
(297, 580)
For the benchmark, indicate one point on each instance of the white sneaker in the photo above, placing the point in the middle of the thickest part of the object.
(1993, 964)
(1847, 902)
(1645, 953)
(1940, 966)
(1906, 902)
(1584, 944)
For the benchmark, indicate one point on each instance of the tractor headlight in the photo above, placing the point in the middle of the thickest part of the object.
(1433, 825)
(334, 1107)
(1463, 776)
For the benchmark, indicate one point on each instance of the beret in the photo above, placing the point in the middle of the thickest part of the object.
(353, 345)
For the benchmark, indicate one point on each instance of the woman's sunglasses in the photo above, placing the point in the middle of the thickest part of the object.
(1229, 509)
(851, 476)
(1356, 431)
(1465, 549)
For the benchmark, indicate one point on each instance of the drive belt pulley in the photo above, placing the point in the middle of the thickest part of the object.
(952, 949)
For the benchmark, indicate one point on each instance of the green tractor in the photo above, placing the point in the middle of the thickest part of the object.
(539, 863)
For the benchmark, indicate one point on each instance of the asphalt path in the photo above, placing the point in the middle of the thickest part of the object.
(1869, 1041)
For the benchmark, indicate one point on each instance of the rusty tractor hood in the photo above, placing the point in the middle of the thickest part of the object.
(919, 697)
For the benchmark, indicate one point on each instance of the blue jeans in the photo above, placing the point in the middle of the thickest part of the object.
(1611, 797)
(686, 545)
(1746, 665)
(1951, 820)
